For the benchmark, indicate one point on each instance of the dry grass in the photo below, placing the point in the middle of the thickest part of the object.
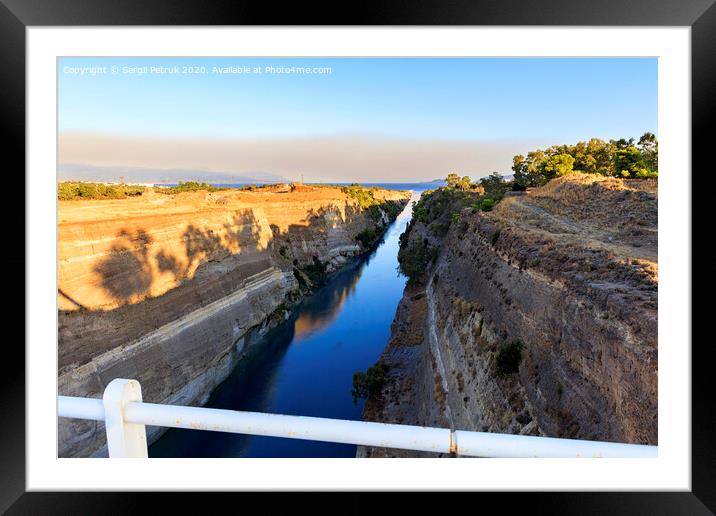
(592, 212)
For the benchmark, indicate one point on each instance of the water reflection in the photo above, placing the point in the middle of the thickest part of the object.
(331, 305)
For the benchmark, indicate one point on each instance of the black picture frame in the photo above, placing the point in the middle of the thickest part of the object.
(700, 15)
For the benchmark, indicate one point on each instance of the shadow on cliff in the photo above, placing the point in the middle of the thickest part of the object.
(317, 222)
(71, 299)
(128, 273)
(136, 261)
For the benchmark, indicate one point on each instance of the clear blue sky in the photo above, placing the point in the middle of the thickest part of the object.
(561, 100)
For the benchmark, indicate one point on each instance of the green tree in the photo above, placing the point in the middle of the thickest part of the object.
(452, 180)
(603, 153)
(559, 165)
(584, 159)
(495, 186)
(628, 162)
(649, 147)
(612, 158)
(623, 143)
(535, 168)
(455, 181)
(519, 168)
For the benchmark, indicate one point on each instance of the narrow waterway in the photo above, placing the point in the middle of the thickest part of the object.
(305, 365)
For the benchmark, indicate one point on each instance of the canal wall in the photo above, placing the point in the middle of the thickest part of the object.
(566, 279)
(172, 290)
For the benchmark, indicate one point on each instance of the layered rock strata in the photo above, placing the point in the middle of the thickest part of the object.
(566, 273)
(171, 290)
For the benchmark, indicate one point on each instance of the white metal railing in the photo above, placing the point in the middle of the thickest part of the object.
(125, 416)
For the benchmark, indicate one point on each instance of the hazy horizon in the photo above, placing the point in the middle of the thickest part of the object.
(336, 159)
(358, 119)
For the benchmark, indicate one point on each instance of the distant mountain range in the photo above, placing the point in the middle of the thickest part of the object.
(105, 174)
(76, 172)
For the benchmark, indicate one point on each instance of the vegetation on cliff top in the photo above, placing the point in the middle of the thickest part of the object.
(439, 209)
(361, 194)
(189, 186)
(617, 158)
(365, 198)
(76, 190)
(81, 190)
(196, 186)
(314, 274)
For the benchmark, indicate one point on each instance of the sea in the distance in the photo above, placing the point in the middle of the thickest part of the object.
(417, 187)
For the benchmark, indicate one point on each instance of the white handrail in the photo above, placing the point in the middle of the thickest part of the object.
(125, 440)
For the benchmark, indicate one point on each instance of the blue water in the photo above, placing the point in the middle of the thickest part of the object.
(305, 365)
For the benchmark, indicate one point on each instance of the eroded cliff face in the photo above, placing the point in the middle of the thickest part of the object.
(569, 272)
(171, 290)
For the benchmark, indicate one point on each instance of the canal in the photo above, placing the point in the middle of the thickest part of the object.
(305, 365)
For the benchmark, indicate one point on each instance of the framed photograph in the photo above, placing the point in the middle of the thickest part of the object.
(432, 250)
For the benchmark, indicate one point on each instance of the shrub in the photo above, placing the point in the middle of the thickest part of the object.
(374, 207)
(74, 190)
(414, 260)
(487, 204)
(421, 214)
(644, 173)
(367, 237)
(369, 384)
(374, 213)
(443, 205)
(363, 196)
(314, 272)
(299, 277)
(392, 209)
(440, 228)
(494, 186)
(189, 186)
(508, 358)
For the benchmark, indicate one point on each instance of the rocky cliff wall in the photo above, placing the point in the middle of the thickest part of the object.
(568, 273)
(171, 290)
